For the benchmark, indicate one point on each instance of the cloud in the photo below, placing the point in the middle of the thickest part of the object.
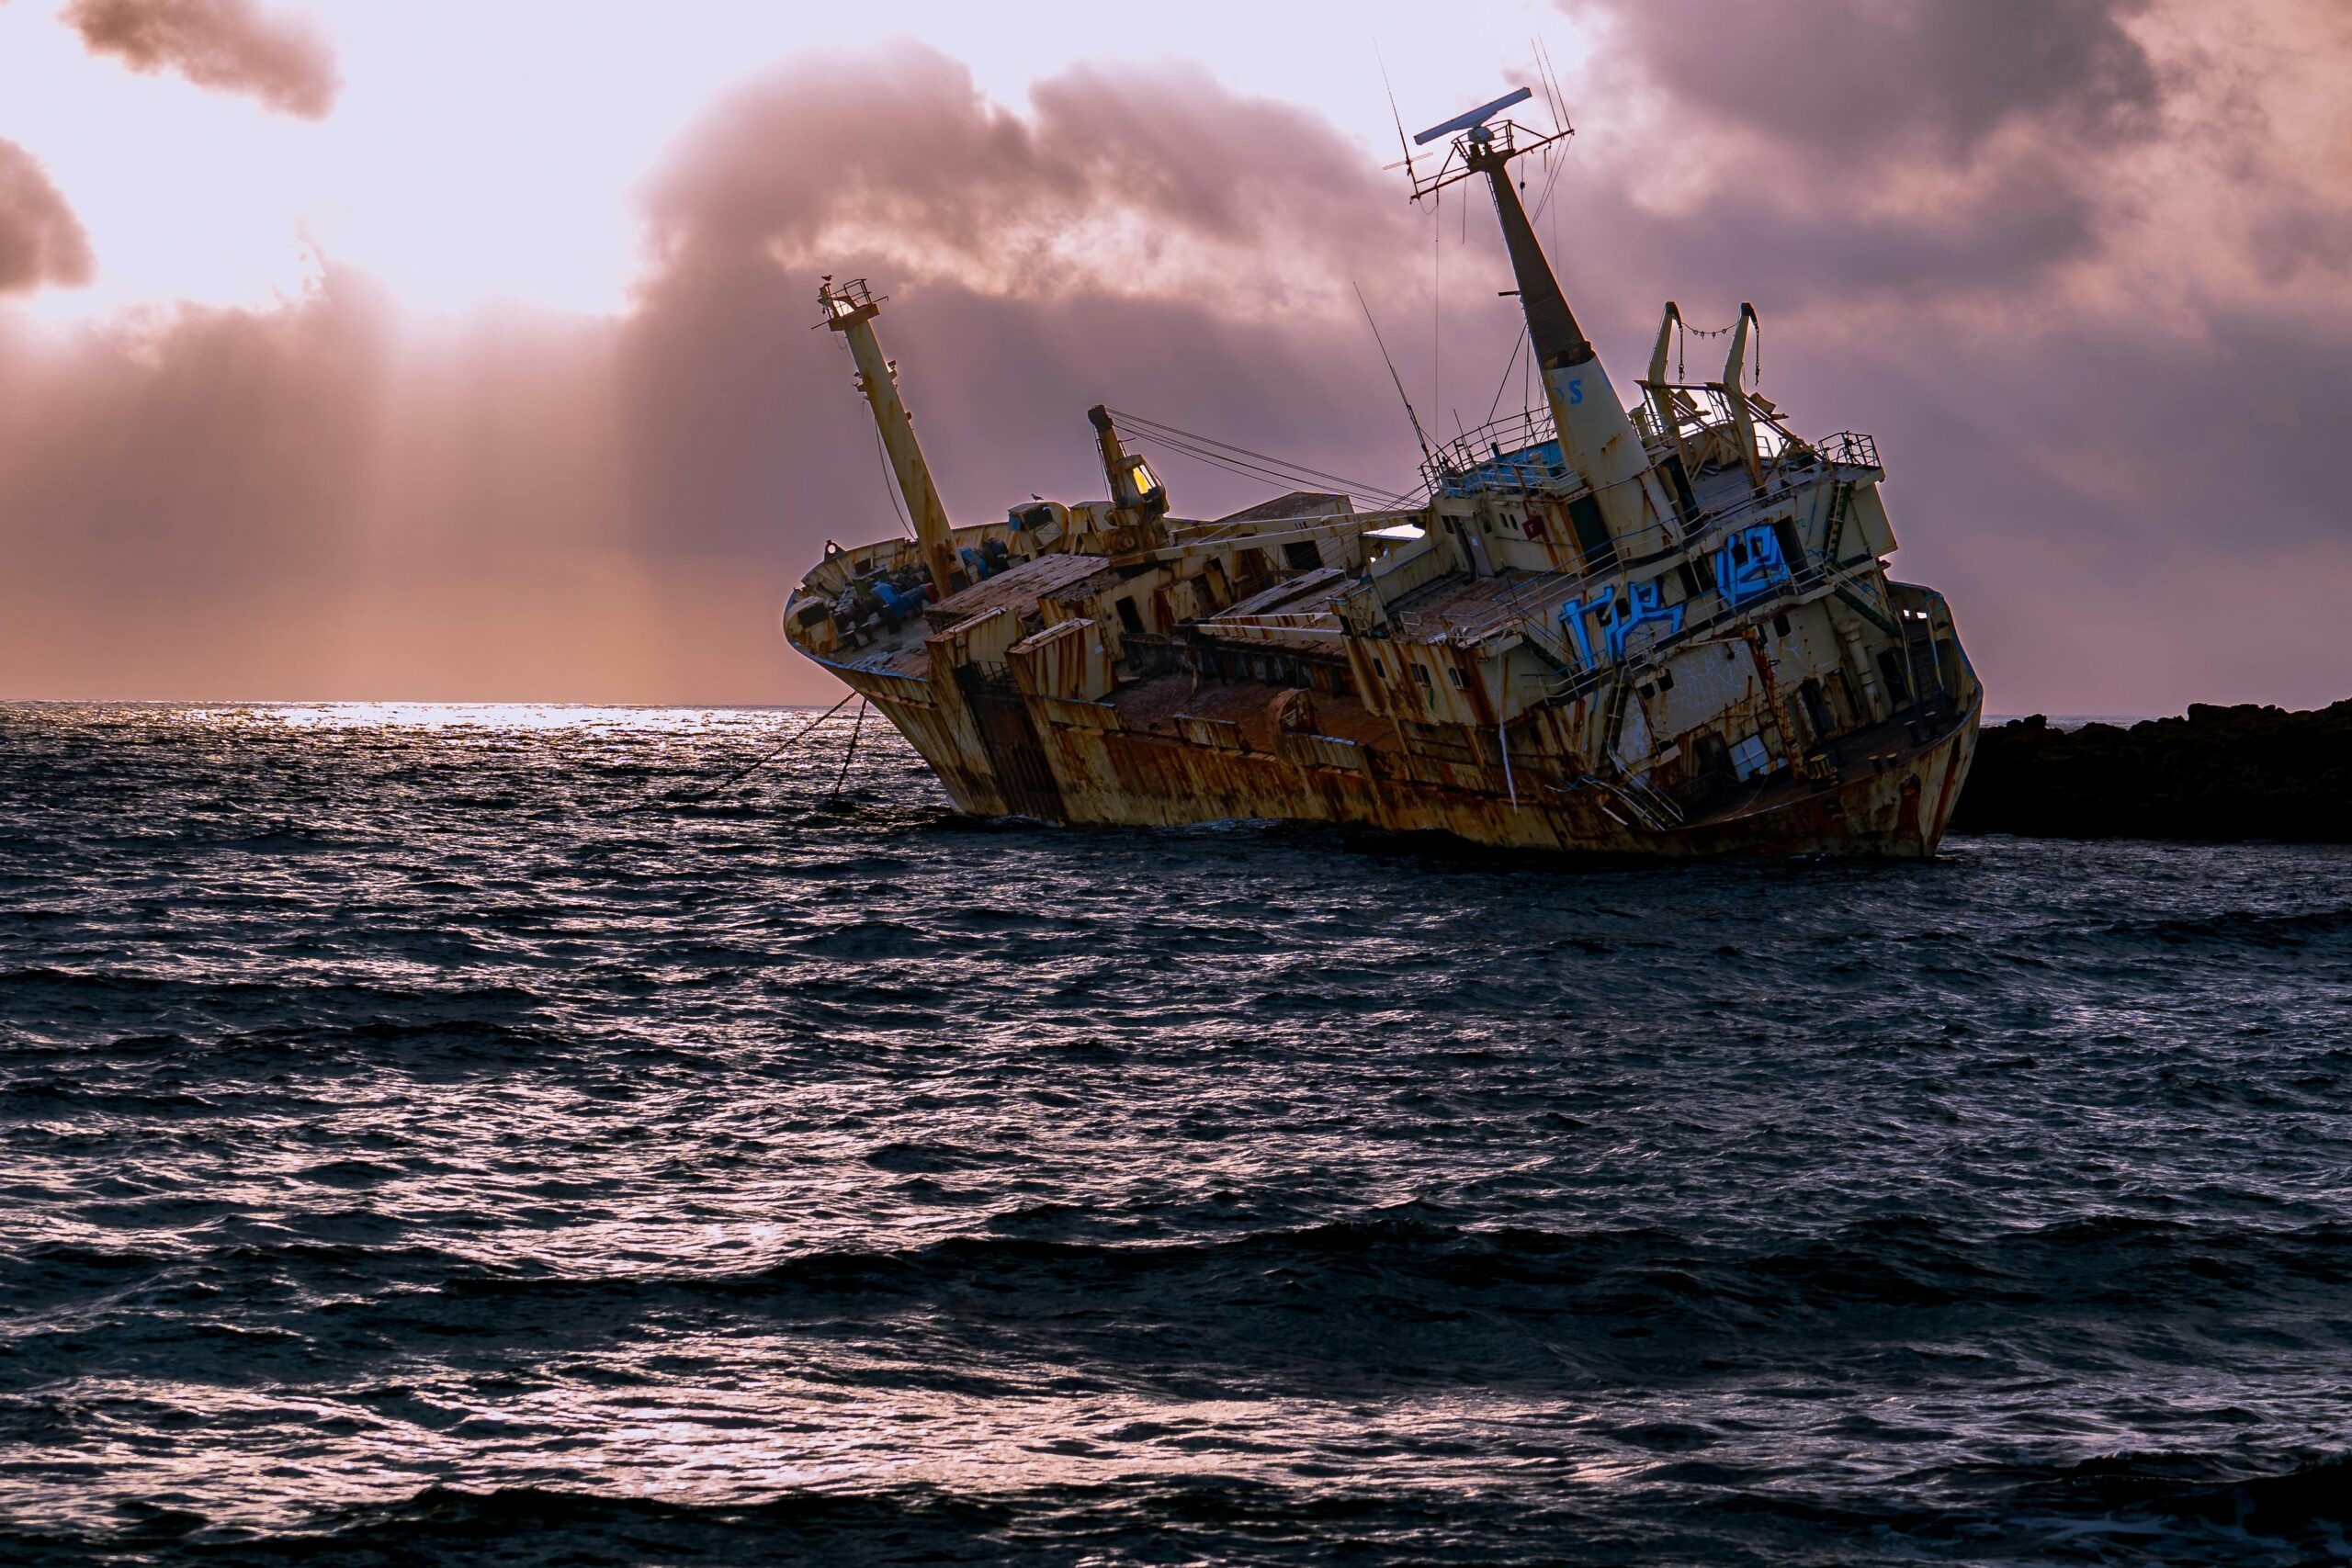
(41, 239)
(1136, 184)
(231, 46)
(326, 498)
(1872, 80)
(2084, 268)
(1157, 241)
(2098, 336)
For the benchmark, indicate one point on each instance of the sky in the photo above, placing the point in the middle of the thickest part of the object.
(454, 350)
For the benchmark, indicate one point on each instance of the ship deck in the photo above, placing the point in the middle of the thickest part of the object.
(1018, 588)
(1474, 606)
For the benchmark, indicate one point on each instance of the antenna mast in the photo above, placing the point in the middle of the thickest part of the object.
(1596, 437)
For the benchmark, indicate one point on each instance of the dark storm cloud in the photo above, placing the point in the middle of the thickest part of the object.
(1878, 145)
(1866, 79)
(41, 239)
(2083, 269)
(231, 46)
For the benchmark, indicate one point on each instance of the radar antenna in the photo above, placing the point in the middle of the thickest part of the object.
(1475, 122)
(1480, 143)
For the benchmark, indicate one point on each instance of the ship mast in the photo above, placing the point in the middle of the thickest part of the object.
(849, 308)
(1597, 439)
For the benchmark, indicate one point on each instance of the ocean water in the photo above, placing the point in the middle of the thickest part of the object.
(420, 1144)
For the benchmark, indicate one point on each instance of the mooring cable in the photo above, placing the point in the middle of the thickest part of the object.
(741, 773)
(851, 755)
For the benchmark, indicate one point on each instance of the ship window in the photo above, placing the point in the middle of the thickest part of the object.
(1128, 617)
(1780, 626)
(1459, 684)
(1421, 673)
(1301, 555)
(1666, 680)
(1688, 579)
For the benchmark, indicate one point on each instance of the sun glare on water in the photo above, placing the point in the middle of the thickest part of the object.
(485, 716)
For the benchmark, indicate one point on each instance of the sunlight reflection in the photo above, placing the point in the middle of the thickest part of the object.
(486, 716)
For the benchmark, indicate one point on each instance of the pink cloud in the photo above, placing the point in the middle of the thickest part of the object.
(2121, 478)
(231, 46)
(41, 239)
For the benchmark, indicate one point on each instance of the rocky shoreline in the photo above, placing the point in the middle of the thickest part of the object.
(2221, 774)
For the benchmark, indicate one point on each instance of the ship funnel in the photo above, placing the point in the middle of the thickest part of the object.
(849, 308)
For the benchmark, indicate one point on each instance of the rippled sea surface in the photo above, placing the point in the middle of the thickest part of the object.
(411, 1151)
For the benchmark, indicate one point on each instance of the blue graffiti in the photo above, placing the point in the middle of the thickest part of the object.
(1643, 603)
(1749, 563)
(1572, 615)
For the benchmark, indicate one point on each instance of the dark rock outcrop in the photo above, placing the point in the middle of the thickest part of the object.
(2219, 773)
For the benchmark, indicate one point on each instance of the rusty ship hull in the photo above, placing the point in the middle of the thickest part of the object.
(1020, 736)
(1096, 771)
(1662, 629)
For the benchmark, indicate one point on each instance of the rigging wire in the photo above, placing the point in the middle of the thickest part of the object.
(1684, 330)
(1437, 299)
(1255, 464)
(1558, 100)
(889, 480)
(1509, 366)
(1264, 474)
(1420, 437)
(1162, 428)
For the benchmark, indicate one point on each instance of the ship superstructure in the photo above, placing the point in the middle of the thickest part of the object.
(1663, 628)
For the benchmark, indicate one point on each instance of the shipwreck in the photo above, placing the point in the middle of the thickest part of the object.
(1662, 629)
